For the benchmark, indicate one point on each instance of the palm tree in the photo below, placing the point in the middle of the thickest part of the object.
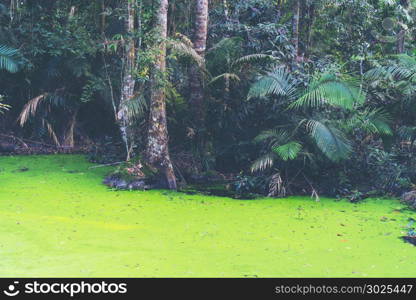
(310, 110)
(228, 65)
(9, 61)
(399, 76)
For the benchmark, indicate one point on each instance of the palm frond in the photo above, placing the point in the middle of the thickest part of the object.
(184, 39)
(373, 121)
(186, 50)
(404, 69)
(264, 162)
(288, 151)
(330, 90)
(258, 58)
(273, 137)
(224, 53)
(380, 120)
(277, 83)
(9, 59)
(226, 45)
(407, 133)
(329, 140)
(226, 76)
(30, 108)
(135, 107)
(3, 106)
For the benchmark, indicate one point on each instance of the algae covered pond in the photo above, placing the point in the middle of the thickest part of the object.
(57, 219)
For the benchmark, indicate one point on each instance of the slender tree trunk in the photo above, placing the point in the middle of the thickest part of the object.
(157, 152)
(401, 36)
(196, 78)
(127, 87)
(102, 17)
(69, 134)
(311, 22)
(400, 41)
(226, 10)
(295, 29)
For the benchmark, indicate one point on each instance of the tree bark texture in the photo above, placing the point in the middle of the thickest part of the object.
(128, 84)
(295, 29)
(157, 152)
(196, 77)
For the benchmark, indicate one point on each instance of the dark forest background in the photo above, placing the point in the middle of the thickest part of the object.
(270, 97)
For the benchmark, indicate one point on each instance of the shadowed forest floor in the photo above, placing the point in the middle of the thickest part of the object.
(57, 219)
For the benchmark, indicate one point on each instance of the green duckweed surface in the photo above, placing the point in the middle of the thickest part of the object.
(57, 219)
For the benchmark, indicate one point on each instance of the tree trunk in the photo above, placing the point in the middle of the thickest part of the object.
(157, 152)
(311, 21)
(295, 29)
(69, 134)
(401, 36)
(226, 10)
(127, 87)
(400, 41)
(102, 17)
(196, 78)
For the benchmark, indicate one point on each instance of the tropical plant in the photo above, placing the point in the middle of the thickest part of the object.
(230, 63)
(9, 58)
(9, 61)
(325, 91)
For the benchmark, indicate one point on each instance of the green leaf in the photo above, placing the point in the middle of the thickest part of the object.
(288, 151)
(276, 83)
(9, 59)
(330, 90)
(329, 140)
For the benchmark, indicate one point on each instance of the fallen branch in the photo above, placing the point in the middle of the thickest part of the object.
(106, 165)
(17, 139)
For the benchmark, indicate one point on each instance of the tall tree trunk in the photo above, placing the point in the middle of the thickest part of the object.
(311, 22)
(295, 29)
(226, 10)
(69, 134)
(102, 17)
(196, 78)
(157, 152)
(127, 87)
(401, 36)
(400, 41)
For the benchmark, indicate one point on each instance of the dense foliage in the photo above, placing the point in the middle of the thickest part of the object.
(286, 97)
